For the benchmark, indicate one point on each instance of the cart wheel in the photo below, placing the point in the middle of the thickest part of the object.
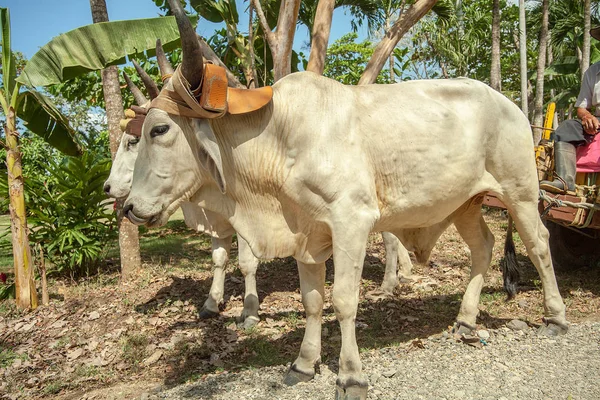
(571, 249)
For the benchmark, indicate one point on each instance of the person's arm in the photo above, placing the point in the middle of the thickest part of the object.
(588, 120)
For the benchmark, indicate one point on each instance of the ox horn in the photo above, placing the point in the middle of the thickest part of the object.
(138, 96)
(166, 70)
(149, 83)
(193, 63)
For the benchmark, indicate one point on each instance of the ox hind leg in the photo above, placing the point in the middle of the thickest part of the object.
(395, 253)
(312, 286)
(248, 266)
(535, 236)
(220, 256)
(475, 232)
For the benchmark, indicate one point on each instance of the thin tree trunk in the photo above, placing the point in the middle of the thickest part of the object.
(392, 59)
(320, 36)
(585, 51)
(391, 39)
(252, 82)
(538, 108)
(281, 41)
(286, 30)
(523, 57)
(495, 73)
(549, 61)
(129, 244)
(26, 295)
(442, 64)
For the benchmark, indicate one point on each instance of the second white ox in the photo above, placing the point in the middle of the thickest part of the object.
(323, 165)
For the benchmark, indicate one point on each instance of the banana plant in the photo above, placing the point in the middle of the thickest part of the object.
(38, 113)
(67, 56)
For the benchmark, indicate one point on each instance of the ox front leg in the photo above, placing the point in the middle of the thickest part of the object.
(475, 232)
(312, 286)
(248, 266)
(348, 258)
(220, 256)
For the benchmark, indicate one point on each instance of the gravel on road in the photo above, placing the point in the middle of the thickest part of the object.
(504, 364)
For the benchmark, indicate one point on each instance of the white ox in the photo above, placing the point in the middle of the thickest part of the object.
(118, 186)
(323, 165)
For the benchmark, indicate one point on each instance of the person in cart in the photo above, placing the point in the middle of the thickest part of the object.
(573, 133)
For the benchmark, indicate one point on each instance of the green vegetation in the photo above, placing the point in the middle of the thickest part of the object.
(133, 349)
(8, 356)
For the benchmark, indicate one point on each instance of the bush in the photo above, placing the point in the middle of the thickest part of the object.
(70, 217)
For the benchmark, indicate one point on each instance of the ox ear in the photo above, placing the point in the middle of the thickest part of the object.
(209, 154)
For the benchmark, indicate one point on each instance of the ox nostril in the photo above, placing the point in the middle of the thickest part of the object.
(107, 188)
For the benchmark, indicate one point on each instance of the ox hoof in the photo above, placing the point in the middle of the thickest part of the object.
(295, 376)
(247, 322)
(379, 294)
(409, 278)
(552, 328)
(356, 392)
(462, 328)
(207, 314)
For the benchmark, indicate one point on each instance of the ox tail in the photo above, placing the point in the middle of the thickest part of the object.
(509, 265)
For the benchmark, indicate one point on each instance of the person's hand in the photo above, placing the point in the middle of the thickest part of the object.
(590, 124)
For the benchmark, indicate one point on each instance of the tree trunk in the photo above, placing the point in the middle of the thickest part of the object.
(495, 73)
(585, 56)
(320, 36)
(26, 295)
(281, 41)
(391, 39)
(538, 108)
(253, 76)
(285, 31)
(523, 57)
(129, 244)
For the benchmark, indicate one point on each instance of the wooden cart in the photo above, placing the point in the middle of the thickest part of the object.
(573, 220)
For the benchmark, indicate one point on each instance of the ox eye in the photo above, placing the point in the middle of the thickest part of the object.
(133, 142)
(159, 130)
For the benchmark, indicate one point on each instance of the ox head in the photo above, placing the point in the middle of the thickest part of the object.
(177, 154)
(118, 183)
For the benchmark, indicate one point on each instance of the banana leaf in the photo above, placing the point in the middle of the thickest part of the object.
(8, 59)
(96, 46)
(42, 117)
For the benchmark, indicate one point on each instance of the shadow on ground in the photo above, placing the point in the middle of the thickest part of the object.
(383, 323)
(569, 280)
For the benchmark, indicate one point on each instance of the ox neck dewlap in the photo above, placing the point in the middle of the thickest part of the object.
(213, 99)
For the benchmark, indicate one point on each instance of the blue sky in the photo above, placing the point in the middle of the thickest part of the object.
(36, 22)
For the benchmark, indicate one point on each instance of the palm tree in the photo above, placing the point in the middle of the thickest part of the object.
(567, 41)
(538, 112)
(523, 57)
(495, 73)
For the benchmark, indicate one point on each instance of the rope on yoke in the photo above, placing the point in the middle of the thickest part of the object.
(581, 220)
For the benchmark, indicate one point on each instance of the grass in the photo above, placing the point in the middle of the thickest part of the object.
(134, 349)
(8, 356)
(53, 387)
(263, 352)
